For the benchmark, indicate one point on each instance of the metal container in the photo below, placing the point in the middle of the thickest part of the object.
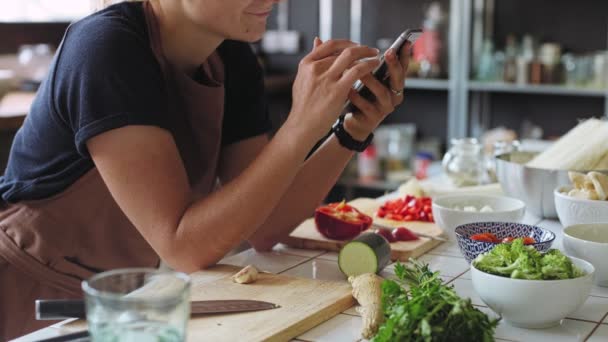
(533, 186)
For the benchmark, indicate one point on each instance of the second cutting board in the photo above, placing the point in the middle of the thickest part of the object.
(306, 235)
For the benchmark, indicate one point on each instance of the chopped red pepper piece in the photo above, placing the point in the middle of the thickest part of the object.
(408, 208)
(385, 233)
(404, 234)
(340, 221)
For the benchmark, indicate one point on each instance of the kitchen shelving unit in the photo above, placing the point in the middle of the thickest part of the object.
(468, 101)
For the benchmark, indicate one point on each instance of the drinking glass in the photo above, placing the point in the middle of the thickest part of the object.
(138, 305)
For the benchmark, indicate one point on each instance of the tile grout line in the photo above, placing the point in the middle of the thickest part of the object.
(582, 320)
(456, 277)
(592, 332)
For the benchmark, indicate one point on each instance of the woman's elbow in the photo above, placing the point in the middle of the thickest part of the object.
(189, 262)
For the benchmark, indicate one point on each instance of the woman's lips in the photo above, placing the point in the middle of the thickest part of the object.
(260, 14)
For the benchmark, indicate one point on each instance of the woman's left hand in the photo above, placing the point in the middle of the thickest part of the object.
(370, 114)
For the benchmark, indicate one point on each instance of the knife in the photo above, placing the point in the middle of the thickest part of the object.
(438, 238)
(54, 309)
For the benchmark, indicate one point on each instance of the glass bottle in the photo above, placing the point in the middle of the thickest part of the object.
(464, 163)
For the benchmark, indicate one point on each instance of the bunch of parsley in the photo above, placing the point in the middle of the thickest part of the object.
(429, 310)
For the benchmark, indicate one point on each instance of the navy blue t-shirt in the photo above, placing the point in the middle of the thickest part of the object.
(105, 76)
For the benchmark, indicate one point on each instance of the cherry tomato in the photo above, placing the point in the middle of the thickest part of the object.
(529, 240)
(485, 237)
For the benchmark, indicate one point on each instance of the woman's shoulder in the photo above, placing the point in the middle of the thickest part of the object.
(112, 34)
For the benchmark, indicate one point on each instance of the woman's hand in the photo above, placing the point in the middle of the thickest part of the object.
(324, 80)
(370, 114)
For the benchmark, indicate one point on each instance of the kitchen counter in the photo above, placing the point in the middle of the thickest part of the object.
(590, 323)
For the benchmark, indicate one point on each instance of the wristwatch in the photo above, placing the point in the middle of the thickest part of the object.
(346, 140)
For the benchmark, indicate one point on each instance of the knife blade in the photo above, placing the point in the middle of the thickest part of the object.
(438, 238)
(54, 309)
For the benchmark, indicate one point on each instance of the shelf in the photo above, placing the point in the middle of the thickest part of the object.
(431, 84)
(501, 87)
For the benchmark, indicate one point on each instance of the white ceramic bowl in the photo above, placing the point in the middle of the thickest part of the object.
(590, 242)
(573, 211)
(534, 303)
(505, 209)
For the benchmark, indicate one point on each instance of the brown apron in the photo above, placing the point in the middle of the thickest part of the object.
(47, 247)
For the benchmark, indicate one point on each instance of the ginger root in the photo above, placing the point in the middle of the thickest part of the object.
(367, 290)
(247, 275)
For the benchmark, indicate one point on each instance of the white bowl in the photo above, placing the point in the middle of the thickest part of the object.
(505, 209)
(573, 211)
(534, 303)
(590, 242)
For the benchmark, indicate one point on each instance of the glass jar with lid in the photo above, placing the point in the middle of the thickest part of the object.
(464, 162)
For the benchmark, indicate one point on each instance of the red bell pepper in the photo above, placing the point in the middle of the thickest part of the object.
(340, 221)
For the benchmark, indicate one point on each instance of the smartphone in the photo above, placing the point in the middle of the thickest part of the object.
(381, 72)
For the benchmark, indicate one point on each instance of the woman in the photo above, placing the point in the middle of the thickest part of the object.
(148, 141)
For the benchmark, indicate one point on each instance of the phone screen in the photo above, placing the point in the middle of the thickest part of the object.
(381, 72)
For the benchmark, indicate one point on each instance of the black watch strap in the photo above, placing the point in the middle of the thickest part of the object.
(347, 141)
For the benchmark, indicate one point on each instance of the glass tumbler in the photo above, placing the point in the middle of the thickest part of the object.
(137, 305)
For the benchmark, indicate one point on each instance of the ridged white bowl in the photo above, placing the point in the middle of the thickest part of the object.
(573, 211)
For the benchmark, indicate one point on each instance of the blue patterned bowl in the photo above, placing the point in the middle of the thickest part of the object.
(471, 249)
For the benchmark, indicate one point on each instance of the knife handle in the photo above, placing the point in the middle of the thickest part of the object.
(54, 309)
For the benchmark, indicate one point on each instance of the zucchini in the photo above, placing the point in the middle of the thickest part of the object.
(368, 253)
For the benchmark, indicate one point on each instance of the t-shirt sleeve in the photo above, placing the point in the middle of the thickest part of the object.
(107, 77)
(246, 108)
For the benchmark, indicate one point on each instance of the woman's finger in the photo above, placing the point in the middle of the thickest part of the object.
(323, 65)
(404, 56)
(384, 98)
(363, 105)
(317, 42)
(352, 56)
(357, 72)
(396, 72)
(328, 48)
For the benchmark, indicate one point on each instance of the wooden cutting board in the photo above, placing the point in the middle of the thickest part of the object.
(306, 235)
(305, 303)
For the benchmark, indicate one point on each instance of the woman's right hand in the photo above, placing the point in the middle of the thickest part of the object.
(325, 77)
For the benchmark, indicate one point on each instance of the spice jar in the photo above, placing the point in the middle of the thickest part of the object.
(464, 163)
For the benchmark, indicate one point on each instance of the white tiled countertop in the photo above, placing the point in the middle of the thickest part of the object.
(590, 323)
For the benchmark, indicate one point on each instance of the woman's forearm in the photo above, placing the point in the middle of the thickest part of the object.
(310, 186)
(213, 225)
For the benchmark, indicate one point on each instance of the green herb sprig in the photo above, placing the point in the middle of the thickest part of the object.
(420, 307)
